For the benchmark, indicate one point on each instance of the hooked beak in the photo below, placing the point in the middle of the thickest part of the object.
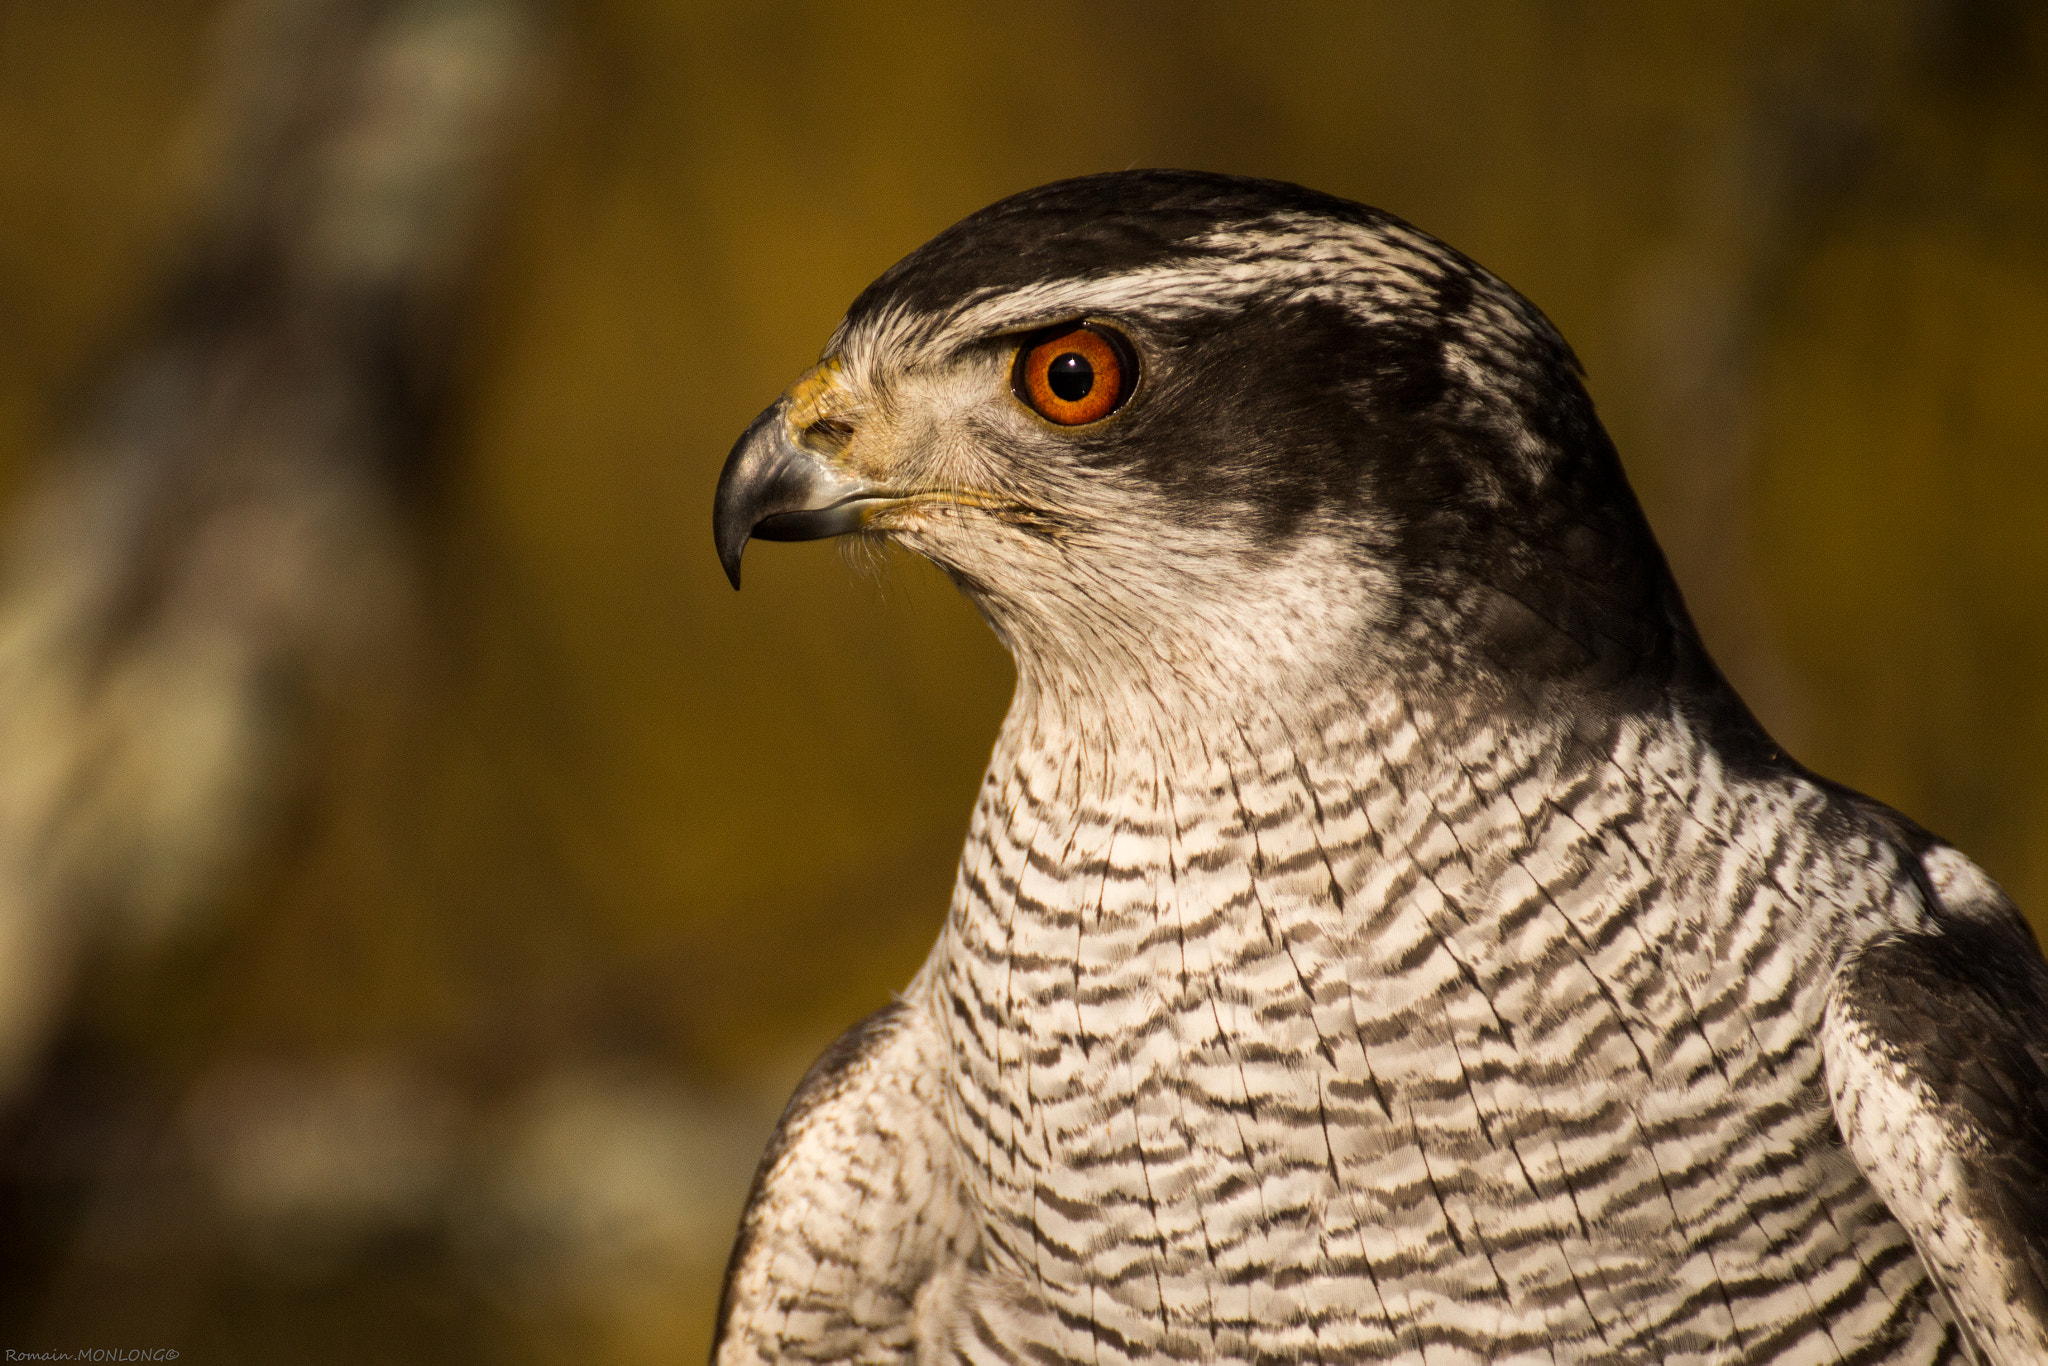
(775, 490)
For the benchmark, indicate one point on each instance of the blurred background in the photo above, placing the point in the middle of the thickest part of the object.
(422, 879)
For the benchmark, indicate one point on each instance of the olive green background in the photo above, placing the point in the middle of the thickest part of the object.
(628, 822)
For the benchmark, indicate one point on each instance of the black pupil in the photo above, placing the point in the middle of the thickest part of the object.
(1070, 376)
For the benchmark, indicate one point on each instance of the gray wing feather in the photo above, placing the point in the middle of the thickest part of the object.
(855, 1213)
(1936, 1047)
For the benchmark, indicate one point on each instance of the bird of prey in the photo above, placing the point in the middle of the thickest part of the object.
(1383, 935)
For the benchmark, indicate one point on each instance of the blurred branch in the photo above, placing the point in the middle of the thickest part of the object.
(221, 544)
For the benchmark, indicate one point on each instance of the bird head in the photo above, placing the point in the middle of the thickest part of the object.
(1169, 427)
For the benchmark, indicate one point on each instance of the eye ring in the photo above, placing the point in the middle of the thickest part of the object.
(1074, 373)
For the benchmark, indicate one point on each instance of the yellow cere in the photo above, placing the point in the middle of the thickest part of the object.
(810, 398)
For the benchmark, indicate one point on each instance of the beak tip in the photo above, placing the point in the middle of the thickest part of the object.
(731, 539)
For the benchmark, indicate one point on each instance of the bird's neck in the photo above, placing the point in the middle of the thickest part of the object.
(1174, 750)
(1357, 809)
(1096, 811)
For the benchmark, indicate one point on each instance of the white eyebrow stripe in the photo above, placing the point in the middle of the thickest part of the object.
(1371, 270)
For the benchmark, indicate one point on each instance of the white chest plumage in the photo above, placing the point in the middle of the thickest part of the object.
(1339, 1053)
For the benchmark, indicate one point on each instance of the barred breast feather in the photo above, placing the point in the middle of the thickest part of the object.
(1316, 1053)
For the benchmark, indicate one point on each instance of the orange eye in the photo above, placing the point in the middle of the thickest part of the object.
(1076, 375)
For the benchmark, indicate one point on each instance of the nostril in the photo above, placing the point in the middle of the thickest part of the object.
(831, 433)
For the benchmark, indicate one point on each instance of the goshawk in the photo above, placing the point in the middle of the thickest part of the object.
(1383, 935)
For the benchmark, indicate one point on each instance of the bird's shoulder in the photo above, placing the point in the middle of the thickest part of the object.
(854, 1208)
(1935, 1041)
